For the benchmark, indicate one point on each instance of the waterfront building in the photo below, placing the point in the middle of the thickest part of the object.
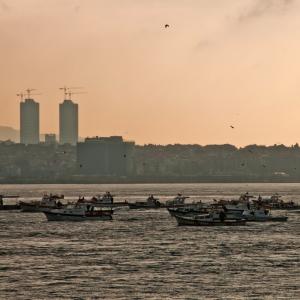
(105, 156)
(50, 138)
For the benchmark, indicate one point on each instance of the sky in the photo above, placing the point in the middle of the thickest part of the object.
(221, 63)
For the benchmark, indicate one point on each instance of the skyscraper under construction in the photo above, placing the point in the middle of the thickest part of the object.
(68, 122)
(29, 122)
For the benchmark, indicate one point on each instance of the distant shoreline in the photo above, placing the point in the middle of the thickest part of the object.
(148, 180)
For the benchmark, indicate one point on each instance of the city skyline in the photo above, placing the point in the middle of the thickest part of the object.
(217, 65)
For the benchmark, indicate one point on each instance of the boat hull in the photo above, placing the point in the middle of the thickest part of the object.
(184, 221)
(186, 212)
(54, 216)
(267, 219)
(296, 207)
(144, 206)
(10, 207)
(27, 207)
(110, 205)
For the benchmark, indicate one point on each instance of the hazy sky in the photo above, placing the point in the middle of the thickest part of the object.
(220, 63)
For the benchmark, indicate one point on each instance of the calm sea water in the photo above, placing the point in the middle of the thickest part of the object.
(144, 254)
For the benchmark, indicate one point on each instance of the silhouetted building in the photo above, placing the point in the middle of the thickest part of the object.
(50, 138)
(108, 156)
(29, 122)
(68, 122)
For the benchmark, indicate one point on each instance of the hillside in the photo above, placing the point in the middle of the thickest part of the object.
(9, 133)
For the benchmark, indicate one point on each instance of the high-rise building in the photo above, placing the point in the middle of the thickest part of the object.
(29, 122)
(68, 122)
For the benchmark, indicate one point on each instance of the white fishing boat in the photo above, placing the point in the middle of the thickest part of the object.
(275, 202)
(262, 215)
(150, 203)
(190, 209)
(48, 202)
(179, 200)
(9, 205)
(106, 200)
(79, 212)
(208, 220)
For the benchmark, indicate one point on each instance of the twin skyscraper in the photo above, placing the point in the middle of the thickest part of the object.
(30, 122)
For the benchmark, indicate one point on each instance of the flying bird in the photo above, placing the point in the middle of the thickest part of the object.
(167, 25)
(232, 127)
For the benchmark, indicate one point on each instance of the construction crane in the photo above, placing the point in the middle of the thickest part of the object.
(21, 95)
(74, 93)
(68, 90)
(29, 94)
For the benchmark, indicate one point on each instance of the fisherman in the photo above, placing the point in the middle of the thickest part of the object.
(110, 197)
(59, 204)
(259, 202)
(222, 215)
(80, 200)
(224, 208)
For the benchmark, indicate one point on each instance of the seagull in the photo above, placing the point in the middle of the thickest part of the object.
(167, 26)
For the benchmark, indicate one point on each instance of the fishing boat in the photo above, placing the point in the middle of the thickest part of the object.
(6, 206)
(276, 203)
(150, 203)
(178, 201)
(207, 220)
(262, 215)
(189, 209)
(79, 212)
(106, 200)
(48, 202)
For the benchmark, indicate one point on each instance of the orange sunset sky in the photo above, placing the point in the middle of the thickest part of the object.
(220, 63)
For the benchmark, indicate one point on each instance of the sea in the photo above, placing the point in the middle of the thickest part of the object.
(143, 254)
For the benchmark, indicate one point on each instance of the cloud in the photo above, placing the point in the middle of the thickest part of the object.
(263, 7)
(4, 7)
(204, 44)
